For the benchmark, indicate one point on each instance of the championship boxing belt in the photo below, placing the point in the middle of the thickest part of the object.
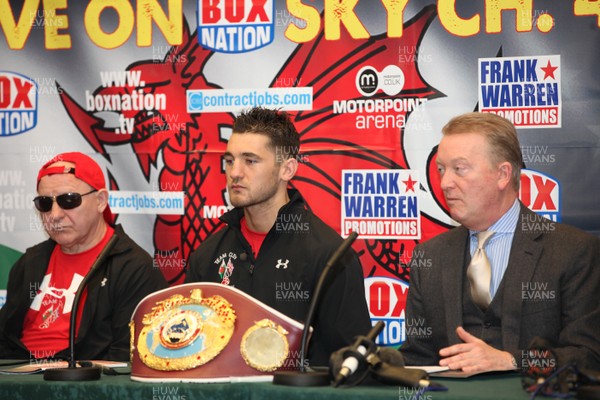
(209, 332)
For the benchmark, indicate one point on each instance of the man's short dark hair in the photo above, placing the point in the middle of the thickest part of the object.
(275, 124)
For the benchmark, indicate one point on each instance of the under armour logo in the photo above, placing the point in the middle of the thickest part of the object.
(58, 293)
(103, 283)
(280, 264)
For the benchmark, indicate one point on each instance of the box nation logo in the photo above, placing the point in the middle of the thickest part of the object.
(18, 103)
(235, 26)
(541, 193)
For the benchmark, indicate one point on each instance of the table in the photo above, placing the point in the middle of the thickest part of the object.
(33, 387)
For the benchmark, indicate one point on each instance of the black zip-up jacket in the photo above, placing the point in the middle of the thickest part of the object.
(287, 269)
(113, 292)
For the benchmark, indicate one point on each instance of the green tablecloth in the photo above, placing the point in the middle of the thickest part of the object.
(33, 387)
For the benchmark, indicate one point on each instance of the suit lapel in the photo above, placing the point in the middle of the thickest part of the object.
(523, 260)
(453, 261)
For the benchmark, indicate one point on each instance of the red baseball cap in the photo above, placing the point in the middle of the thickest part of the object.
(86, 169)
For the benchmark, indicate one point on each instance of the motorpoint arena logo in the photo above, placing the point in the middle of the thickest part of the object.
(380, 106)
(390, 80)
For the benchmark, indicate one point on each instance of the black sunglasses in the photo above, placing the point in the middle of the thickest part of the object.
(67, 201)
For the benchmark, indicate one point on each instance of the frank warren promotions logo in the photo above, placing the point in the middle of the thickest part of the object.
(229, 26)
(524, 90)
(381, 204)
(18, 103)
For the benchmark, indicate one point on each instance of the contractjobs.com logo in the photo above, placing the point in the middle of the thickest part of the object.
(236, 100)
(235, 26)
(18, 103)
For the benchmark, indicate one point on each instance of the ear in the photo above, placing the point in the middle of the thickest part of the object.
(102, 199)
(504, 175)
(288, 169)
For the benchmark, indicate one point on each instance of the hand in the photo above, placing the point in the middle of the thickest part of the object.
(474, 355)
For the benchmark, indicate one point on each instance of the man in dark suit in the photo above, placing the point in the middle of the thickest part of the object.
(479, 309)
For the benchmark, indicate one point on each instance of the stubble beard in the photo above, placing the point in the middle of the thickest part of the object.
(249, 199)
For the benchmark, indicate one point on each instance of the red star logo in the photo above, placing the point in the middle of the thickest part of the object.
(549, 70)
(410, 184)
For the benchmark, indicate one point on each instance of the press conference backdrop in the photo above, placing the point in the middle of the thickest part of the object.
(149, 89)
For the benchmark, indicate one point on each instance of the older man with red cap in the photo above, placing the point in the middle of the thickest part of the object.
(34, 323)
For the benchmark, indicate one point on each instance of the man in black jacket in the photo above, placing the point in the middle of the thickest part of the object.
(34, 322)
(273, 247)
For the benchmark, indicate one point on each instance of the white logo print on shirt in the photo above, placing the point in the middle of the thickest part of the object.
(68, 294)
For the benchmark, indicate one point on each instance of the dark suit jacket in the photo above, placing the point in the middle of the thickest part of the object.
(562, 260)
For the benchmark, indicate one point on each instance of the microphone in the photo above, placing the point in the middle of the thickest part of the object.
(543, 372)
(72, 372)
(408, 377)
(384, 364)
(539, 366)
(539, 361)
(387, 366)
(302, 377)
(357, 353)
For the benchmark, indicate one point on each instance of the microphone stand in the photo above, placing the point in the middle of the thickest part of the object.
(302, 377)
(73, 372)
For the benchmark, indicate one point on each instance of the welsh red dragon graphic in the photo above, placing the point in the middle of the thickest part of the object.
(192, 156)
